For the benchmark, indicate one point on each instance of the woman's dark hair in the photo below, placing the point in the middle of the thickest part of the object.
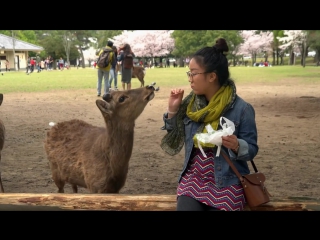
(115, 50)
(126, 48)
(213, 59)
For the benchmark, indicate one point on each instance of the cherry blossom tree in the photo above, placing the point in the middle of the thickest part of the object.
(292, 42)
(147, 43)
(255, 43)
(125, 37)
(89, 54)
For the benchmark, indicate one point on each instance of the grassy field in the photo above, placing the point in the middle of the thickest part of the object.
(166, 77)
(309, 61)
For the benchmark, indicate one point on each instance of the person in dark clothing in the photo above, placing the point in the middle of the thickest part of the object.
(126, 73)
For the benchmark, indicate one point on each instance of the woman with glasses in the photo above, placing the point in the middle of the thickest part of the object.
(206, 181)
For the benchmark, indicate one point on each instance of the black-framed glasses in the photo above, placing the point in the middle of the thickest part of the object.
(190, 74)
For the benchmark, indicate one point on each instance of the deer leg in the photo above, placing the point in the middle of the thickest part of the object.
(141, 81)
(1, 186)
(59, 183)
(74, 188)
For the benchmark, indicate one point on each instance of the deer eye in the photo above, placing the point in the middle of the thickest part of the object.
(122, 98)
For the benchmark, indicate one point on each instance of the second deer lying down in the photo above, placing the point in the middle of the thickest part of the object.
(92, 157)
(2, 138)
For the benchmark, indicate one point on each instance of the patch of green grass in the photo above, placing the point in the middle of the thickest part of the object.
(275, 74)
(310, 61)
(47, 81)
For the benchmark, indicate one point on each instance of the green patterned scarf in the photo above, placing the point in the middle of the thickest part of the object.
(197, 109)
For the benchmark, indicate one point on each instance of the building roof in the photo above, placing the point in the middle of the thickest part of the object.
(19, 45)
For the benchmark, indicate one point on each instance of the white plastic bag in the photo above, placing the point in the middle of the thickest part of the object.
(214, 137)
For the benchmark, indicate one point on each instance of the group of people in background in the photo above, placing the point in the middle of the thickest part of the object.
(109, 73)
(34, 63)
(262, 64)
(39, 64)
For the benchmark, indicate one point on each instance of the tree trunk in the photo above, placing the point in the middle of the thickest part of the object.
(291, 56)
(120, 202)
(273, 58)
(67, 43)
(281, 58)
(83, 62)
(14, 52)
(181, 63)
(304, 54)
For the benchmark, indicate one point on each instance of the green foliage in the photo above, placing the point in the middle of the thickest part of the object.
(314, 41)
(104, 35)
(187, 42)
(52, 42)
(6, 32)
(23, 35)
(276, 34)
(82, 38)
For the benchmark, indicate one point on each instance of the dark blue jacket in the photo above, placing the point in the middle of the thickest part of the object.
(114, 63)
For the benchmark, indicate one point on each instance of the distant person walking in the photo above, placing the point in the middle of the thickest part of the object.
(32, 63)
(42, 65)
(7, 65)
(28, 65)
(61, 64)
(38, 59)
(187, 61)
(50, 62)
(104, 72)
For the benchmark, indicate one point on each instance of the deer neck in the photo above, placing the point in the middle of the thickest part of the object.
(120, 134)
(119, 148)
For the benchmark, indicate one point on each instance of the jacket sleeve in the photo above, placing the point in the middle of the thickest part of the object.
(169, 123)
(248, 147)
(120, 57)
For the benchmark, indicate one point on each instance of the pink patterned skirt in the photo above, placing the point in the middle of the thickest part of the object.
(198, 182)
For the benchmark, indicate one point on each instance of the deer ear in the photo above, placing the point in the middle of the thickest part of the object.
(103, 106)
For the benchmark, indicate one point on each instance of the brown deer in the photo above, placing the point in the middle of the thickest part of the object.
(137, 72)
(2, 138)
(97, 158)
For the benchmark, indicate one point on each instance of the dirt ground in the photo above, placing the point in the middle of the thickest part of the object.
(287, 116)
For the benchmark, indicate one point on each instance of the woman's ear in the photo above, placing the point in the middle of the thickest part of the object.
(212, 76)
